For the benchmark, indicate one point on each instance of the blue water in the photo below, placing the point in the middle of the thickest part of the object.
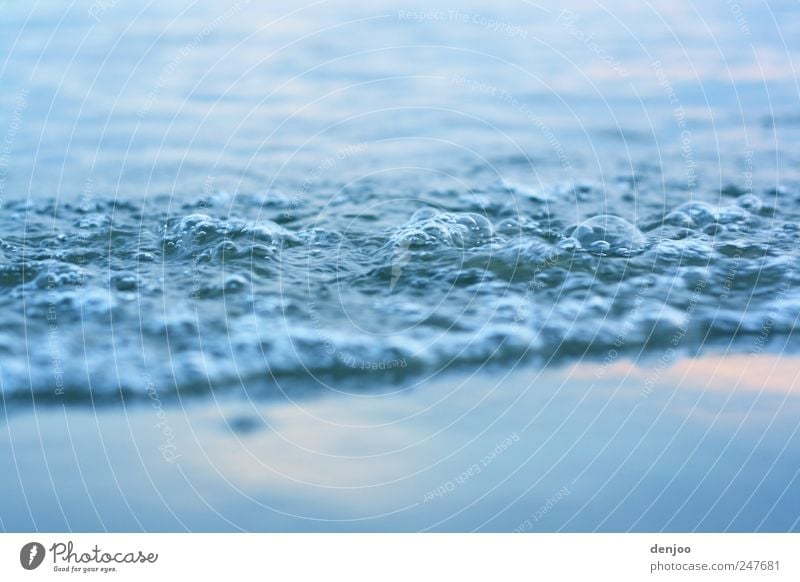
(253, 201)
(201, 196)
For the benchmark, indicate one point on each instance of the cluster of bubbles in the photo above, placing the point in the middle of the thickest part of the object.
(429, 227)
(612, 235)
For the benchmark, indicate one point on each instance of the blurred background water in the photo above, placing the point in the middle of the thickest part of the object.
(272, 199)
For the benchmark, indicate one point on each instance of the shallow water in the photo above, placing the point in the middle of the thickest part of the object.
(712, 446)
(226, 289)
(193, 196)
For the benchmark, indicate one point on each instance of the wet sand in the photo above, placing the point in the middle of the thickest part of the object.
(706, 444)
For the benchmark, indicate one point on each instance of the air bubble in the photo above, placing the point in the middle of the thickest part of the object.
(459, 230)
(701, 213)
(609, 235)
(750, 202)
(733, 214)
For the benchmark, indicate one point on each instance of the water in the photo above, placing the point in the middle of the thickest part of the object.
(229, 287)
(202, 202)
(713, 447)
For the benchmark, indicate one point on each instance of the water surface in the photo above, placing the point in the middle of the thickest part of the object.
(334, 203)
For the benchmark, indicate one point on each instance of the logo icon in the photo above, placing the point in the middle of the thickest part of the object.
(31, 555)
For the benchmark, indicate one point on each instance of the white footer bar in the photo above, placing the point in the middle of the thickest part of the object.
(401, 557)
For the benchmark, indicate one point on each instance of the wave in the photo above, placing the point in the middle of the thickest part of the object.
(108, 299)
